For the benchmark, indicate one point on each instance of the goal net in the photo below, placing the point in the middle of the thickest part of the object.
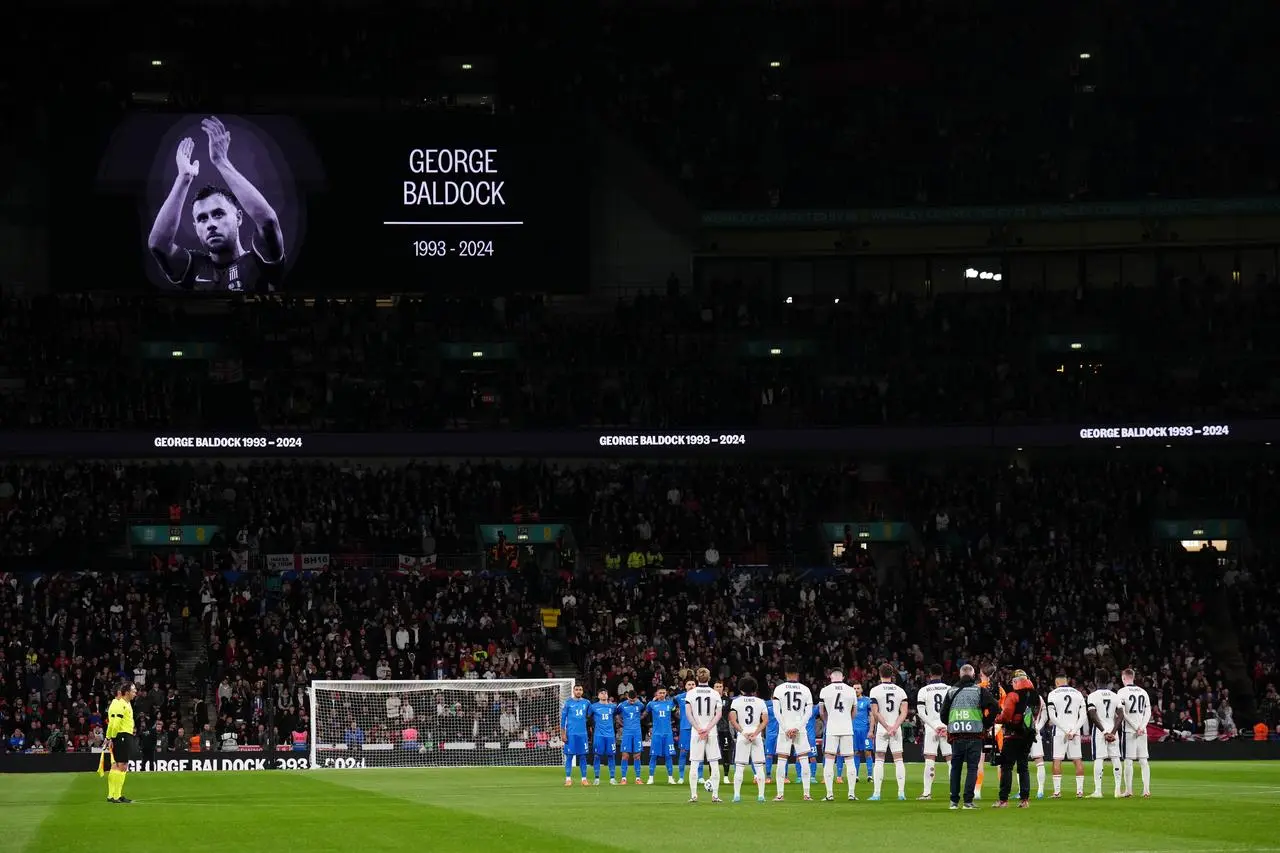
(437, 723)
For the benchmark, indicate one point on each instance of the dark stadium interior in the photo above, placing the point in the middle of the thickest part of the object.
(895, 219)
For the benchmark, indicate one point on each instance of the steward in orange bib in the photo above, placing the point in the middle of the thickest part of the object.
(1018, 711)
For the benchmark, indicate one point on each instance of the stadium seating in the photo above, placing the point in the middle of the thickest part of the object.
(68, 640)
(1043, 565)
(77, 363)
(1041, 562)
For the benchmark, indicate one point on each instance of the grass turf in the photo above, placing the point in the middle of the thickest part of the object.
(1197, 806)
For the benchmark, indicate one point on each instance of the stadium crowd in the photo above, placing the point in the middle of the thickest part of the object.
(1052, 557)
(1050, 566)
(87, 363)
(66, 641)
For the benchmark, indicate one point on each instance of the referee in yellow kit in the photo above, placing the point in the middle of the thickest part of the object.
(120, 734)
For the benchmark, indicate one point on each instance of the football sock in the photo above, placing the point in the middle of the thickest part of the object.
(582, 765)
(1040, 779)
(779, 773)
(761, 778)
(715, 779)
(804, 776)
(877, 777)
(1128, 776)
(613, 767)
(684, 756)
(1079, 784)
(738, 773)
(1142, 762)
(1057, 783)
(1098, 767)
(595, 763)
(930, 767)
(694, 772)
(1115, 772)
(900, 770)
(568, 766)
(829, 777)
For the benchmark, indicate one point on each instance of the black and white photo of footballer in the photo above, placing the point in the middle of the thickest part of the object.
(219, 215)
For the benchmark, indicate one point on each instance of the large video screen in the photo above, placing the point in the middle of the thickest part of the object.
(223, 203)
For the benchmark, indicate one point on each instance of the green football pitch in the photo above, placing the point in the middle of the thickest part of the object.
(1196, 806)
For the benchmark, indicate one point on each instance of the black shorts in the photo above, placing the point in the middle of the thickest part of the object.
(123, 748)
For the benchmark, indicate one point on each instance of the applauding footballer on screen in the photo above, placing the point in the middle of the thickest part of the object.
(218, 213)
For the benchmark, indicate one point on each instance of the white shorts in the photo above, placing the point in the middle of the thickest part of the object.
(749, 752)
(1063, 748)
(1037, 749)
(704, 750)
(800, 742)
(933, 744)
(839, 745)
(1135, 746)
(1104, 750)
(892, 744)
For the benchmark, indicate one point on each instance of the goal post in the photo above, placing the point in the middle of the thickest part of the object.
(457, 723)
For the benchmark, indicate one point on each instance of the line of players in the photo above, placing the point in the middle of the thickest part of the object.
(785, 730)
(604, 715)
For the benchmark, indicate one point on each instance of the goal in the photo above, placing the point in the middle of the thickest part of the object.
(462, 723)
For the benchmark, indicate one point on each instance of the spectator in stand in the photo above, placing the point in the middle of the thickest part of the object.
(1226, 719)
(1185, 727)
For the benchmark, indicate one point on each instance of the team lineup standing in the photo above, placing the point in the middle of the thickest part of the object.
(766, 735)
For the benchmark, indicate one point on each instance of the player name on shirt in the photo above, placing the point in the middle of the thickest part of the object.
(703, 703)
(929, 702)
(1135, 706)
(750, 710)
(888, 699)
(840, 702)
(794, 702)
(1066, 708)
(1103, 704)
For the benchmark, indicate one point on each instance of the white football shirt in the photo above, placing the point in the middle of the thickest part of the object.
(750, 710)
(1042, 717)
(929, 703)
(840, 701)
(704, 705)
(1135, 705)
(794, 702)
(1103, 703)
(1066, 708)
(887, 699)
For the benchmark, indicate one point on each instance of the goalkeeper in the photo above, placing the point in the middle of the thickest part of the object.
(120, 738)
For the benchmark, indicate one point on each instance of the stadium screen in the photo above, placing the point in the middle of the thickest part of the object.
(225, 203)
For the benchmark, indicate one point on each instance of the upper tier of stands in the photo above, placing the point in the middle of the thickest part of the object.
(1188, 350)
(892, 104)
(923, 103)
